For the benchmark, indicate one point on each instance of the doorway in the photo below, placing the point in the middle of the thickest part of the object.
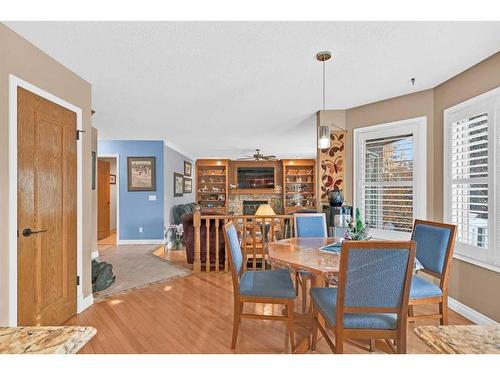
(46, 210)
(107, 201)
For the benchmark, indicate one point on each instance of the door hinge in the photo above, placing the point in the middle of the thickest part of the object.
(78, 134)
(78, 280)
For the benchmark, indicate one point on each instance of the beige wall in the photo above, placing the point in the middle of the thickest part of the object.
(471, 285)
(403, 107)
(474, 286)
(94, 193)
(27, 62)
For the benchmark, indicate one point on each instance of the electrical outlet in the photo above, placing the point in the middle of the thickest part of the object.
(140, 229)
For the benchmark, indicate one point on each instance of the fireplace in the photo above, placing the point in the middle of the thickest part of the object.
(250, 207)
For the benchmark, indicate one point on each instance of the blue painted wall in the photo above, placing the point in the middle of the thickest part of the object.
(136, 210)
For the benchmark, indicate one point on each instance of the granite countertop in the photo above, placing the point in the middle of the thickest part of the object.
(466, 339)
(44, 340)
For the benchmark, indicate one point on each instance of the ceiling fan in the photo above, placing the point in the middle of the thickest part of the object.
(258, 156)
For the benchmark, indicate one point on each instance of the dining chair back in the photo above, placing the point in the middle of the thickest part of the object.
(310, 225)
(371, 300)
(269, 287)
(435, 242)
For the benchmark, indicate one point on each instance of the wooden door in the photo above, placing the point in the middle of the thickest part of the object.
(47, 206)
(103, 207)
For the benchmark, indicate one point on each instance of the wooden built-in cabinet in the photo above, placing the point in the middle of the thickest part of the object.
(212, 185)
(294, 179)
(299, 185)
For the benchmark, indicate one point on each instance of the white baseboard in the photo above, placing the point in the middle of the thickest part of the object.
(141, 242)
(467, 312)
(95, 254)
(84, 302)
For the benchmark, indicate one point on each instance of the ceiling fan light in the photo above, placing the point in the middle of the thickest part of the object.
(324, 137)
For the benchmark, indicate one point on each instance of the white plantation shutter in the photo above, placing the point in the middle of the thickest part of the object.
(469, 179)
(390, 178)
(469, 176)
(387, 182)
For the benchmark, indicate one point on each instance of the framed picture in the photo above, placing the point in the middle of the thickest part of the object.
(188, 185)
(112, 179)
(187, 168)
(178, 184)
(141, 173)
(94, 168)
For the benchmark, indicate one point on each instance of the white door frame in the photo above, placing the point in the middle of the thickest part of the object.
(117, 158)
(81, 302)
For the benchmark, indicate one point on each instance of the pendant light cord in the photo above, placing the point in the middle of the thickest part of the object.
(324, 86)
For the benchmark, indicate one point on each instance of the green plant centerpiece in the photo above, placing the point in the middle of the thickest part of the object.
(357, 230)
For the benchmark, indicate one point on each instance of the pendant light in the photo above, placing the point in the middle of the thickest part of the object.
(324, 130)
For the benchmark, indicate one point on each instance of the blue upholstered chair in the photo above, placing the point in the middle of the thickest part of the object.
(274, 287)
(307, 225)
(435, 243)
(371, 300)
(310, 225)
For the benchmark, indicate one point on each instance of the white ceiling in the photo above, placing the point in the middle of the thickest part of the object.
(222, 89)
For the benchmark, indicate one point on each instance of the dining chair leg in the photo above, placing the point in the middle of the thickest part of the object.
(238, 307)
(372, 345)
(304, 295)
(410, 310)
(291, 328)
(339, 344)
(297, 284)
(314, 329)
(443, 310)
(401, 342)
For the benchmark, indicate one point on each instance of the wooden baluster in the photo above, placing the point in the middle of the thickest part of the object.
(264, 243)
(292, 229)
(226, 248)
(207, 249)
(271, 233)
(197, 236)
(216, 245)
(244, 232)
(254, 247)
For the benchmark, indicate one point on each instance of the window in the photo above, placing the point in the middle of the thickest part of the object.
(470, 189)
(390, 179)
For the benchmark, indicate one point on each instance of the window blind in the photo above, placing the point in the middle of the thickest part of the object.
(469, 179)
(387, 182)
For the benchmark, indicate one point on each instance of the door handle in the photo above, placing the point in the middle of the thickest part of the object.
(28, 232)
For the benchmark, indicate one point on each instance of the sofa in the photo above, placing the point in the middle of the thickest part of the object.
(187, 224)
(182, 209)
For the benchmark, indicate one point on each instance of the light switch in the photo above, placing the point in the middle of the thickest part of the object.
(152, 197)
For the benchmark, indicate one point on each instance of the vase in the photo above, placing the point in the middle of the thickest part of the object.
(336, 198)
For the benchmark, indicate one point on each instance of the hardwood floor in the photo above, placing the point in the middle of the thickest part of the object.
(107, 242)
(194, 315)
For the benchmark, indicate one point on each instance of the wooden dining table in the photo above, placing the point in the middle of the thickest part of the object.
(304, 254)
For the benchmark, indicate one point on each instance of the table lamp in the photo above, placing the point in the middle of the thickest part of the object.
(265, 210)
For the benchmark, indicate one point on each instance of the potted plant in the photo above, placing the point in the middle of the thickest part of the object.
(178, 231)
(357, 230)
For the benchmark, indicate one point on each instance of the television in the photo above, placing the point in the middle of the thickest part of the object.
(255, 177)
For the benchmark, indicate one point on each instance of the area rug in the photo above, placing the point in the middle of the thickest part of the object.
(135, 266)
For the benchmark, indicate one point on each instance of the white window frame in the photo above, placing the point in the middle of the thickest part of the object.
(418, 128)
(488, 102)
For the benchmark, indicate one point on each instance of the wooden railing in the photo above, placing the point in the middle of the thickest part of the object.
(255, 234)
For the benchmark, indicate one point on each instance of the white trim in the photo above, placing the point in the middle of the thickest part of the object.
(95, 254)
(471, 314)
(141, 242)
(475, 262)
(117, 158)
(481, 257)
(14, 83)
(86, 302)
(418, 127)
